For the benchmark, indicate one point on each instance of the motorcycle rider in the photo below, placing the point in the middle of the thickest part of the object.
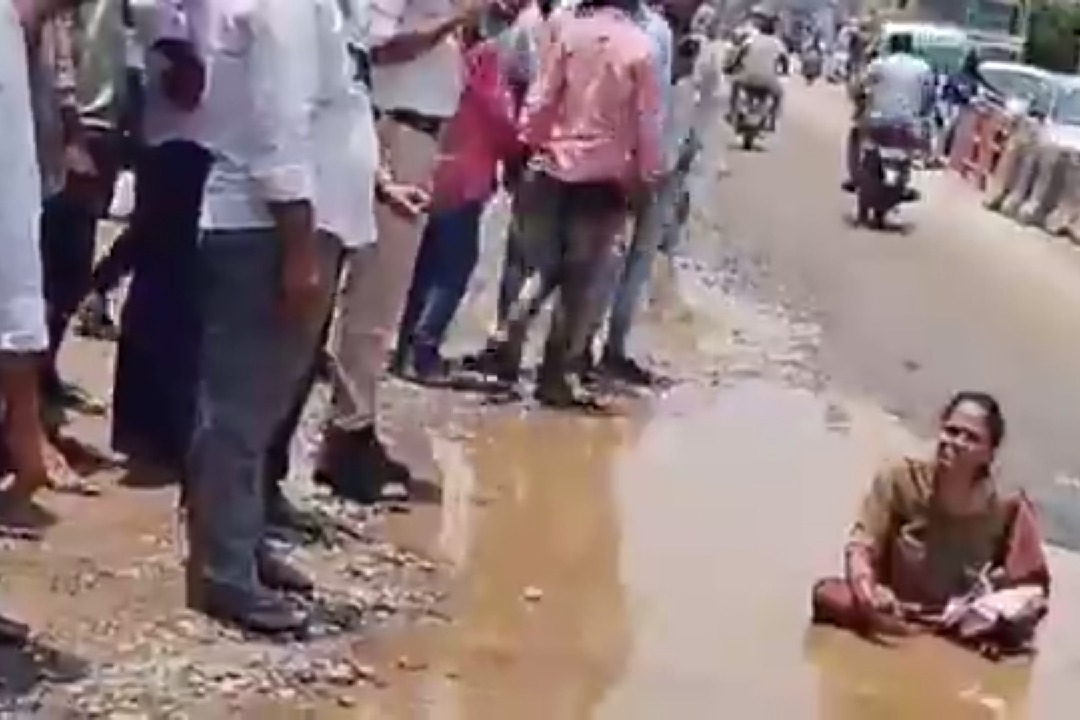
(813, 54)
(756, 64)
(896, 90)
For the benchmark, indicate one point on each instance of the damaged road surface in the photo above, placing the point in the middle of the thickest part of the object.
(657, 564)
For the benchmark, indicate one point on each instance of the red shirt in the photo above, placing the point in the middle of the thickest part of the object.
(481, 134)
(590, 115)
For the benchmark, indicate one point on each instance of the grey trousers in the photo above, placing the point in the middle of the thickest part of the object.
(628, 279)
(252, 363)
(566, 235)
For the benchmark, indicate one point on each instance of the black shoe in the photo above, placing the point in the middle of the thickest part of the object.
(282, 513)
(356, 466)
(557, 394)
(95, 321)
(625, 369)
(277, 574)
(497, 361)
(849, 186)
(258, 611)
(13, 633)
(910, 194)
(431, 371)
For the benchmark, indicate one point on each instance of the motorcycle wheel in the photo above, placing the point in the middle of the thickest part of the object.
(748, 140)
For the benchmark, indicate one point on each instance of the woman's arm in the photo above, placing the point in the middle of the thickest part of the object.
(869, 536)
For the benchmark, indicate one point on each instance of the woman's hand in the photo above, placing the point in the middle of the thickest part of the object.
(883, 612)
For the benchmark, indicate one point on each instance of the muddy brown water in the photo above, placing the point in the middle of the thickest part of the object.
(658, 565)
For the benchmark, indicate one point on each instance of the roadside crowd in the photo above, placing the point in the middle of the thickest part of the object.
(310, 178)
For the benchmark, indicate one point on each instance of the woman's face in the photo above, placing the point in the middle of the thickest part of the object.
(964, 442)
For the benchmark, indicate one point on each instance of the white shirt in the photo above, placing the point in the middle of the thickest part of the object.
(155, 20)
(899, 86)
(430, 84)
(761, 61)
(287, 121)
(22, 307)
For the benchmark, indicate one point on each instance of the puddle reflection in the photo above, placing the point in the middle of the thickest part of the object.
(541, 629)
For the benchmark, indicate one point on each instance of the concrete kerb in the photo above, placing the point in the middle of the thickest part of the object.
(1047, 189)
(1064, 219)
(1012, 179)
(1037, 184)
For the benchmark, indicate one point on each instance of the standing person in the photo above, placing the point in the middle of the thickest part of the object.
(154, 380)
(23, 330)
(70, 217)
(280, 207)
(529, 38)
(482, 134)
(417, 79)
(590, 124)
(370, 186)
(632, 276)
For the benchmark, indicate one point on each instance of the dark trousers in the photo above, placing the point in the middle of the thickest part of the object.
(160, 325)
(116, 264)
(449, 251)
(567, 232)
(69, 222)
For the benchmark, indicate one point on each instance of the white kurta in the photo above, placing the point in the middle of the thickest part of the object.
(22, 307)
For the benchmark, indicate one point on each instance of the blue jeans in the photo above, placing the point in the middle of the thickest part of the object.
(449, 251)
(252, 363)
(632, 278)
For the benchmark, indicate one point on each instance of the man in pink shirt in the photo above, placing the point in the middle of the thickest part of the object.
(590, 124)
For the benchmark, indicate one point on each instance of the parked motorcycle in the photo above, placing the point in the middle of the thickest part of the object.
(885, 170)
(752, 115)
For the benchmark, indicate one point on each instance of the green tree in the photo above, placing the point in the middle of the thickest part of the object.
(1052, 36)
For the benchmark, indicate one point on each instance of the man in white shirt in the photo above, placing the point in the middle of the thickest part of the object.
(417, 76)
(23, 333)
(896, 91)
(288, 194)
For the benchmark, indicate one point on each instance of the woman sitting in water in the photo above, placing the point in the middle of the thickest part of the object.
(937, 548)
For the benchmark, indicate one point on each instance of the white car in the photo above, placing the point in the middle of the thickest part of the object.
(1015, 83)
(1062, 124)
